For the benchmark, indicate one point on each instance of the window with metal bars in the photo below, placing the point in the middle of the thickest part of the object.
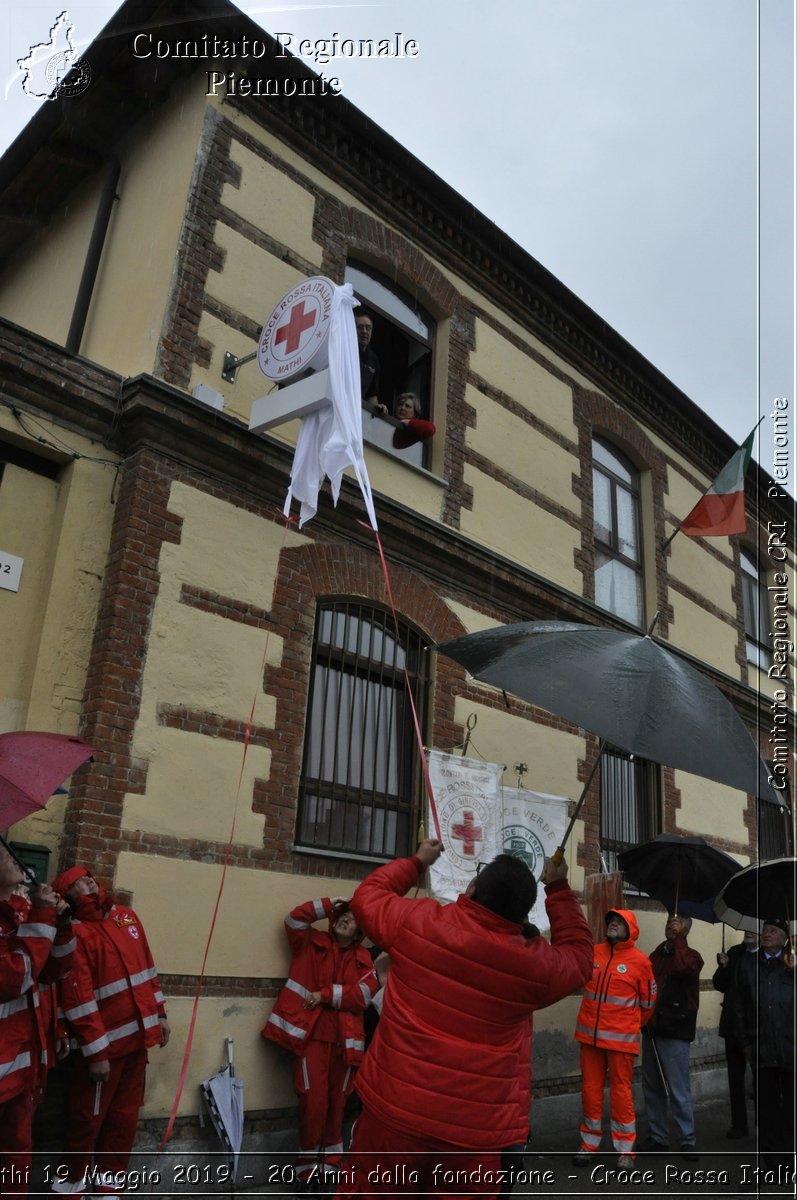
(361, 774)
(630, 804)
(774, 828)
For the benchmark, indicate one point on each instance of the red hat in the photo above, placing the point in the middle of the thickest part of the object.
(63, 882)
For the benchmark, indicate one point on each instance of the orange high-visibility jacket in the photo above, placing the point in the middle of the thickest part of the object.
(620, 997)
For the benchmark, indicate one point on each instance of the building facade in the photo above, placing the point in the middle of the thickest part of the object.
(243, 681)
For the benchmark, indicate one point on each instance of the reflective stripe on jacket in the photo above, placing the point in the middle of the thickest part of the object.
(314, 967)
(112, 1000)
(32, 950)
(620, 997)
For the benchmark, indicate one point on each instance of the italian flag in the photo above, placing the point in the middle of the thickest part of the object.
(721, 511)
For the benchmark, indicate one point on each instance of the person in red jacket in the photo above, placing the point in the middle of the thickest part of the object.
(36, 945)
(114, 1008)
(412, 428)
(318, 1016)
(617, 1002)
(443, 1083)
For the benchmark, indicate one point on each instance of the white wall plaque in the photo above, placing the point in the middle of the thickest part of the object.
(10, 571)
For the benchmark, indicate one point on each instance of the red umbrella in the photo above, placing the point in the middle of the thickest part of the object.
(32, 766)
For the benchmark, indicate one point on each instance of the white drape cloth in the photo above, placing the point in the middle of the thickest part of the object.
(332, 438)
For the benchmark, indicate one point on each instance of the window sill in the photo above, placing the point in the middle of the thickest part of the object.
(349, 856)
(378, 435)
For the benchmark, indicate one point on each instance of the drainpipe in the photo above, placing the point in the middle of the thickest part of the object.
(93, 255)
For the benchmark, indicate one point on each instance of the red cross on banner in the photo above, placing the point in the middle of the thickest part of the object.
(291, 332)
(468, 833)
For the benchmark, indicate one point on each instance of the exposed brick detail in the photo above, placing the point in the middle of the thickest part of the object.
(332, 570)
(220, 985)
(210, 724)
(346, 233)
(142, 523)
(180, 346)
(224, 606)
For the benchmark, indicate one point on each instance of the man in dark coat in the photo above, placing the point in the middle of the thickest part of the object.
(765, 1027)
(725, 981)
(677, 970)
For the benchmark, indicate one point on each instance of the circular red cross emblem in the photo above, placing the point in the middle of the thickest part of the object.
(294, 336)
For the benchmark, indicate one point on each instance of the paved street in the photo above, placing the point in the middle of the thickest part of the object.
(724, 1168)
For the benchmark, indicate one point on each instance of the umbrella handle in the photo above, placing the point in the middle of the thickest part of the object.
(30, 878)
(557, 858)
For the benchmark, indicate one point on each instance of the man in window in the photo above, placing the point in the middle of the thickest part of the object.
(369, 362)
(446, 1078)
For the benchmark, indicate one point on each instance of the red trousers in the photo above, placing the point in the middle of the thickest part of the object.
(16, 1118)
(595, 1063)
(381, 1161)
(322, 1081)
(108, 1134)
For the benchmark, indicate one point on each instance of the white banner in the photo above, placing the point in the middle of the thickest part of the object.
(480, 818)
(533, 826)
(468, 799)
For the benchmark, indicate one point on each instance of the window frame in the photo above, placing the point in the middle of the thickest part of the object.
(328, 805)
(360, 274)
(611, 549)
(758, 650)
(647, 801)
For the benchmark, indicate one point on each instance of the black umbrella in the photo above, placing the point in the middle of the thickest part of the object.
(629, 689)
(682, 873)
(757, 892)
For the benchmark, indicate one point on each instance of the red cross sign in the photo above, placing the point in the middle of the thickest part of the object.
(291, 332)
(468, 833)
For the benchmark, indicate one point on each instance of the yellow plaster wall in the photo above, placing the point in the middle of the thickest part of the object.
(552, 756)
(206, 663)
(253, 900)
(517, 374)
(252, 282)
(61, 529)
(127, 309)
(470, 618)
(699, 633)
(691, 564)
(524, 452)
(709, 808)
(39, 287)
(271, 201)
(517, 529)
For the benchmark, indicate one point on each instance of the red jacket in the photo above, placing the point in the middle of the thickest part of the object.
(445, 1062)
(112, 1000)
(32, 950)
(415, 430)
(619, 998)
(346, 981)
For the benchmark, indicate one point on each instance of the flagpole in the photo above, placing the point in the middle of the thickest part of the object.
(666, 544)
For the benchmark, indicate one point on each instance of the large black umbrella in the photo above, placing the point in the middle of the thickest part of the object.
(757, 892)
(627, 688)
(682, 873)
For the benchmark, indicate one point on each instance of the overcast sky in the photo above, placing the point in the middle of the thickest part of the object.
(620, 142)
